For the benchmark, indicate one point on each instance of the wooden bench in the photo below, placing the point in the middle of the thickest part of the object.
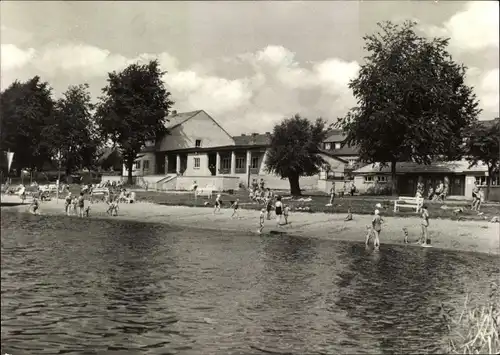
(409, 202)
(99, 194)
(206, 191)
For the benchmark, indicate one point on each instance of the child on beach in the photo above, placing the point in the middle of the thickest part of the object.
(235, 207)
(286, 213)
(217, 203)
(262, 218)
(269, 207)
(278, 211)
(34, 207)
(113, 207)
(349, 215)
(81, 205)
(425, 240)
(67, 204)
(376, 228)
(75, 205)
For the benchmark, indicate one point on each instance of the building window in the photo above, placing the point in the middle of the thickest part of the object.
(197, 143)
(137, 164)
(254, 163)
(382, 179)
(225, 163)
(328, 146)
(481, 180)
(240, 162)
(368, 178)
(197, 163)
(145, 164)
(337, 145)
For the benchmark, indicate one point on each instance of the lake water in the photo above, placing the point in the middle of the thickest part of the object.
(83, 286)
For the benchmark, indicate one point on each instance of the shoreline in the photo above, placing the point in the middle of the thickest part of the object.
(468, 236)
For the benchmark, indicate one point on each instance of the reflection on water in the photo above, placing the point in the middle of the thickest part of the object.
(110, 287)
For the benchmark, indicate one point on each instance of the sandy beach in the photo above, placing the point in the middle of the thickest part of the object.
(475, 236)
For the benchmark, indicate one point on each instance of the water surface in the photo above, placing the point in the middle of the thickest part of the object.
(83, 286)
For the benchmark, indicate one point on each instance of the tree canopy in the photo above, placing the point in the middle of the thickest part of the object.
(483, 146)
(412, 100)
(26, 109)
(133, 109)
(294, 149)
(73, 132)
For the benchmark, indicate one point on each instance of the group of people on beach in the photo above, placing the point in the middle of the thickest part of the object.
(375, 228)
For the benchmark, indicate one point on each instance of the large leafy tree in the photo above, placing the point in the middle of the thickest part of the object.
(483, 145)
(26, 109)
(133, 109)
(73, 133)
(412, 100)
(294, 150)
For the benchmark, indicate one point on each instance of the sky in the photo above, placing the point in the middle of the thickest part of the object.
(247, 64)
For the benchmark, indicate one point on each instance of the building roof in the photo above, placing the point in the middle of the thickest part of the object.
(335, 136)
(176, 119)
(460, 166)
(331, 155)
(254, 139)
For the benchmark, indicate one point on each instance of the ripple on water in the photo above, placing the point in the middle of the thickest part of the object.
(98, 287)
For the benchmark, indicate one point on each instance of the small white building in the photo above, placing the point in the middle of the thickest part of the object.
(197, 148)
(458, 174)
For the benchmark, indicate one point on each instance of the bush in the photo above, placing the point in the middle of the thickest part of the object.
(379, 190)
(475, 331)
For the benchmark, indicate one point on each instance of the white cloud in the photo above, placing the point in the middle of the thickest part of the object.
(266, 85)
(13, 57)
(489, 91)
(474, 28)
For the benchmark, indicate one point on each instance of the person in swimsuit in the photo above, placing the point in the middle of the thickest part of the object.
(67, 204)
(217, 204)
(75, 206)
(332, 195)
(35, 205)
(425, 224)
(377, 228)
(475, 195)
(349, 215)
(262, 219)
(235, 207)
(269, 207)
(81, 204)
(278, 210)
(286, 213)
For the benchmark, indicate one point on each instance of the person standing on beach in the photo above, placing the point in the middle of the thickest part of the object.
(332, 194)
(278, 210)
(67, 204)
(286, 213)
(217, 203)
(81, 205)
(262, 219)
(425, 224)
(235, 207)
(269, 207)
(377, 228)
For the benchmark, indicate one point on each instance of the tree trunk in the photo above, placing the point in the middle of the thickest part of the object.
(488, 183)
(394, 179)
(294, 185)
(130, 164)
